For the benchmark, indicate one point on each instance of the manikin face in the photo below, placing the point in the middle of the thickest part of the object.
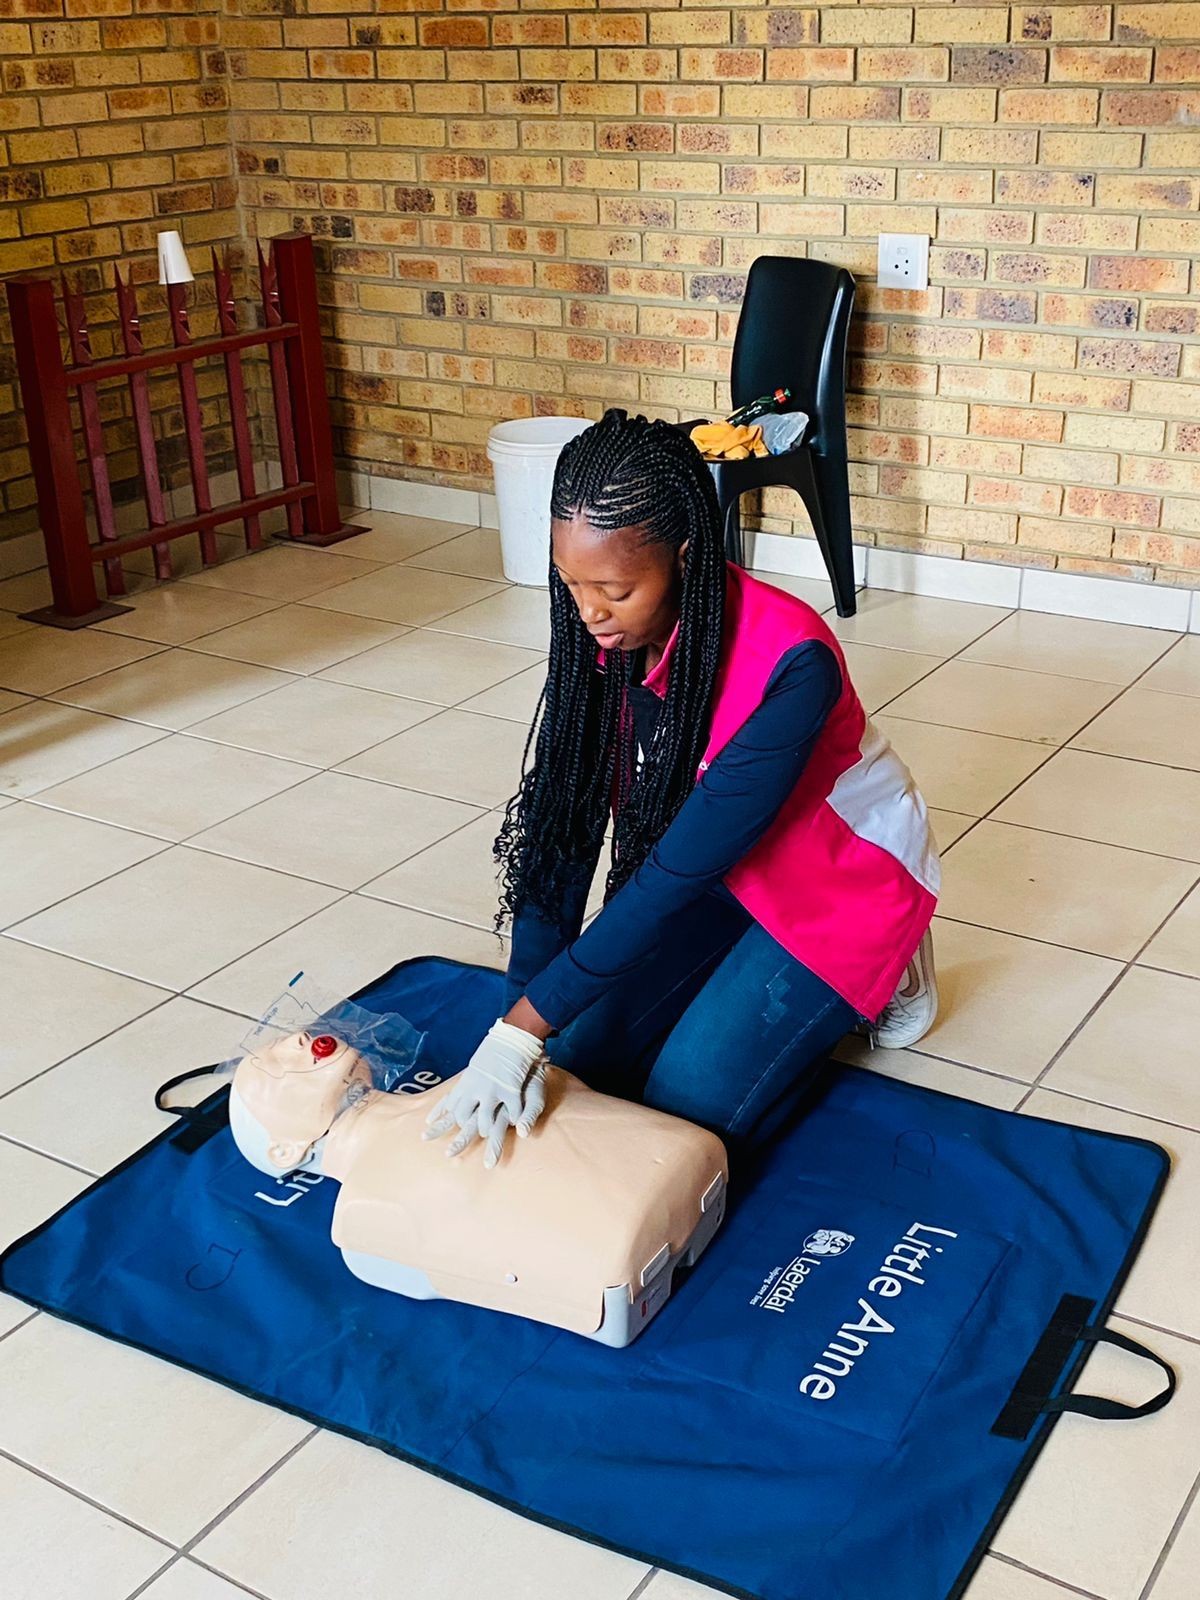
(301, 1052)
(286, 1096)
(627, 591)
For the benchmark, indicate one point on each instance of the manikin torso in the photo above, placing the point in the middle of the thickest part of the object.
(599, 1192)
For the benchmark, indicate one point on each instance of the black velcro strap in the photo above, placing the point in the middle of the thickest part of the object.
(199, 1129)
(1041, 1372)
(200, 1122)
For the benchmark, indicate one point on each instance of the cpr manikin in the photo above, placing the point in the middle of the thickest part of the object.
(583, 1227)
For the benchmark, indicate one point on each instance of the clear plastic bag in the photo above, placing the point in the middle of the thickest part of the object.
(311, 1059)
(385, 1041)
(783, 430)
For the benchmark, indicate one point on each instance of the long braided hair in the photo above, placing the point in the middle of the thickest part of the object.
(623, 472)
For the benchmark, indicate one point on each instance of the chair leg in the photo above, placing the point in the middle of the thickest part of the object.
(734, 544)
(827, 497)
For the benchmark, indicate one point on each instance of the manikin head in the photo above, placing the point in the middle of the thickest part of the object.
(287, 1094)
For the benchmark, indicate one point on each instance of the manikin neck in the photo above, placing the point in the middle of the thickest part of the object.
(338, 1150)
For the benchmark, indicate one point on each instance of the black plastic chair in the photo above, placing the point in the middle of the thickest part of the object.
(792, 333)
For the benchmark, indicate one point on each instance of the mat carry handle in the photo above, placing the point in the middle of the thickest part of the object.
(1033, 1394)
(188, 1113)
(200, 1123)
(1094, 1405)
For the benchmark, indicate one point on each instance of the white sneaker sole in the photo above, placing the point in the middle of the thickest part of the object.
(912, 1019)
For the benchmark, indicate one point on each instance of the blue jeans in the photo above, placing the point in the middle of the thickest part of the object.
(724, 1027)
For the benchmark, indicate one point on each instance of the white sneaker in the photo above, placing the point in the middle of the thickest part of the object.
(910, 1013)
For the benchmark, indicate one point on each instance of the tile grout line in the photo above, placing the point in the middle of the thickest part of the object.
(165, 844)
(1052, 751)
(1057, 944)
(1103, 755)
(97, 1505)
(498, 586)
(186, 993)
(1039, 1081)
(349, 894)
(169, 995)
(436, 709)
(190, 843)
(24, 1323)
(947, 1061)
(179, 649)
(639, 1588)
(1110, 755)
(160, 648)
(224, 1577)
(163, 733)
(269, 606)
(159, 1572)
(1176, 1529)
(1057, 833)
(1083, 729)
(184, 1550)
(1104, 1105)
(1159, 1327)
(1036, 1572)
(71, 1166)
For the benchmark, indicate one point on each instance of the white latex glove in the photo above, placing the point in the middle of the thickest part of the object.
(504, 1086)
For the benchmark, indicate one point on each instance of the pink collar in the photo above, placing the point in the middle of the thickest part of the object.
(658, 678)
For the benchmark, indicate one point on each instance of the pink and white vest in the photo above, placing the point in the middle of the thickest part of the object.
(846, 877)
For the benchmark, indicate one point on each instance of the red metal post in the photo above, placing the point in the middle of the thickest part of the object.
(295, 268)
(273, 318)
(238, 413)
(93, 434)
(193, 422)
(139, 394)
(46, 403)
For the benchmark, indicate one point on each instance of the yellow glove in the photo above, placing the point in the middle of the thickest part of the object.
(721, 441)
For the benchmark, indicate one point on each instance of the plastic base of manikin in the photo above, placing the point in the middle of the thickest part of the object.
(627, 1309)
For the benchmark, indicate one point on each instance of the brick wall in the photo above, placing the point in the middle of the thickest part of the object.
(540, 206)
(547, 205)
(113, 125)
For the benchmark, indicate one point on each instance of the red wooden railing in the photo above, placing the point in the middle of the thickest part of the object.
(291, 336)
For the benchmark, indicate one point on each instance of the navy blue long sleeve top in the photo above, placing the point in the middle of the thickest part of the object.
(561, 970)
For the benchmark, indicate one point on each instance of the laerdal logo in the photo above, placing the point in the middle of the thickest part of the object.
(828, 1242)
(780, 1285)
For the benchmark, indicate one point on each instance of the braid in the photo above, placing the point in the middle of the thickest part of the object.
(623, 472)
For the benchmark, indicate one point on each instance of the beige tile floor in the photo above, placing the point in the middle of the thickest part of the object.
(295, 760)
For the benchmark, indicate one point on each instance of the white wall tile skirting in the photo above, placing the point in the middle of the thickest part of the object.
(1143, 605)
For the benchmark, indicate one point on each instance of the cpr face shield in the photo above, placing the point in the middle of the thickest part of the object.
(309, 1060)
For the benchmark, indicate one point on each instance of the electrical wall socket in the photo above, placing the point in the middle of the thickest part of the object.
(903, 261)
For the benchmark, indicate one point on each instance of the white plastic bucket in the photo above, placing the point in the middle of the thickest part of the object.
(523, 456)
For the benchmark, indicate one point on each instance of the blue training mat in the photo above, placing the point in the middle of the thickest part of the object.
(838, 1404)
